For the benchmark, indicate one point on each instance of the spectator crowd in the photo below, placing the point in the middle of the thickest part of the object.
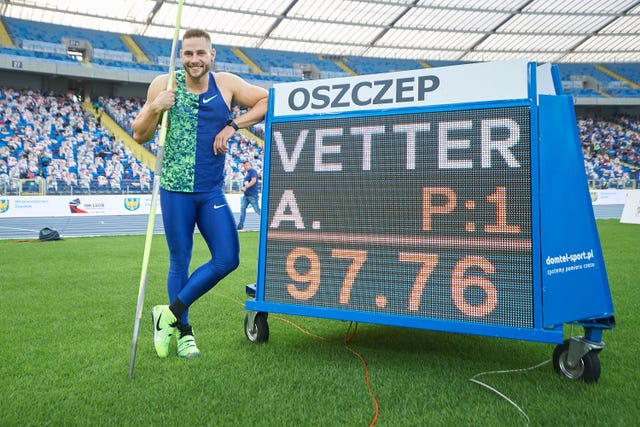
(50, 136)
(611, 149)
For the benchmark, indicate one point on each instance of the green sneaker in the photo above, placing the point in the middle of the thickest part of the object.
(187, 348)
(164, 325)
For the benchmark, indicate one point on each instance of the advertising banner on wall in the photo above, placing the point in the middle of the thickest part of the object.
(608, 197)
(39, 206)
(57, 206)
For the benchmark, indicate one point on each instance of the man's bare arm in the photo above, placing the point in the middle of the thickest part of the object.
(255, 98)
(158, 100)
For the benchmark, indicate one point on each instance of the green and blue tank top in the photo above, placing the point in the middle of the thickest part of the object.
(189, 164)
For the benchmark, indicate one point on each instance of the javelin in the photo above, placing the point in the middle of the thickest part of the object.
(154, 197)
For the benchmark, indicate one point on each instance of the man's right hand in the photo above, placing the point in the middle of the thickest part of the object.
(159, 99)
(165, 100)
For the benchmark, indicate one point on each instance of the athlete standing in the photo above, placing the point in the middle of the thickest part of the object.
(191, 184)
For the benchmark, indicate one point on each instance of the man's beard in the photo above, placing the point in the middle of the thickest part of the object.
(198, 71)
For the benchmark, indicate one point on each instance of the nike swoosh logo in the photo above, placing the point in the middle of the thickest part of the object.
(158, 322)
(219, 206)
(206, 100)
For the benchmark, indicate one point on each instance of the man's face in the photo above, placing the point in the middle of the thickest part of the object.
(196, 55)
(247, 166)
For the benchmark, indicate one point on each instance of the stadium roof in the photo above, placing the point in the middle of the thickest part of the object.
(460, 30)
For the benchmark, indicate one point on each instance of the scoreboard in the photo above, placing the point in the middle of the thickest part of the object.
(431, 199)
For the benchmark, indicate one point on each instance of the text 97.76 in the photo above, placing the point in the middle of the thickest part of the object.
(308, 282)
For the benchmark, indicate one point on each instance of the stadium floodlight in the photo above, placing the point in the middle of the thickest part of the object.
(154, 197)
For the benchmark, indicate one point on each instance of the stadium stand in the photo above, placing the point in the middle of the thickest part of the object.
(54, 42)
(361, 65)
(45, 41)
(601, 80)
(22, 31)
(294, 65)
(611, 150)
(49, 136)
(48, 139)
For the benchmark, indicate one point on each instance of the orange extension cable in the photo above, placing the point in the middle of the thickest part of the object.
(348, 336)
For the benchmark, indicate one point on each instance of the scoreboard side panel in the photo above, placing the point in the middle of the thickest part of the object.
(574, 280)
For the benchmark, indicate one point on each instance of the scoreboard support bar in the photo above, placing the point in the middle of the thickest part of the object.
(451, 199)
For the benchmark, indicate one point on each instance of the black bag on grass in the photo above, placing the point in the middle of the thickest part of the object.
(47, 234)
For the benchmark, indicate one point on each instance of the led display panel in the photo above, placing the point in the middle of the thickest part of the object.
(421, 214)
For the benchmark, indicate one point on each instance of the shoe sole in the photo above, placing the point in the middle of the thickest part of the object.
(190, 356)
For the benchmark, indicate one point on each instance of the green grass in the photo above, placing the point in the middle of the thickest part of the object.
(67, 310)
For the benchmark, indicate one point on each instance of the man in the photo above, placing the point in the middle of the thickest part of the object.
(250, 189)
(191, 185)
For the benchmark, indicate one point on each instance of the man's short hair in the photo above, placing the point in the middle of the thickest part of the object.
(196, 32)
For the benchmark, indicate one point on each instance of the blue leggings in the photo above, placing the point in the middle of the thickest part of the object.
(211, 212)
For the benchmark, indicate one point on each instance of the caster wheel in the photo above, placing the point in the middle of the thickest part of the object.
(257, 330)
(587, 369)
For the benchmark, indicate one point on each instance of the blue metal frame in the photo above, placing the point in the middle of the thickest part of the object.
(535, 334)
(262, 247)
(535, 200)
(557, 81)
